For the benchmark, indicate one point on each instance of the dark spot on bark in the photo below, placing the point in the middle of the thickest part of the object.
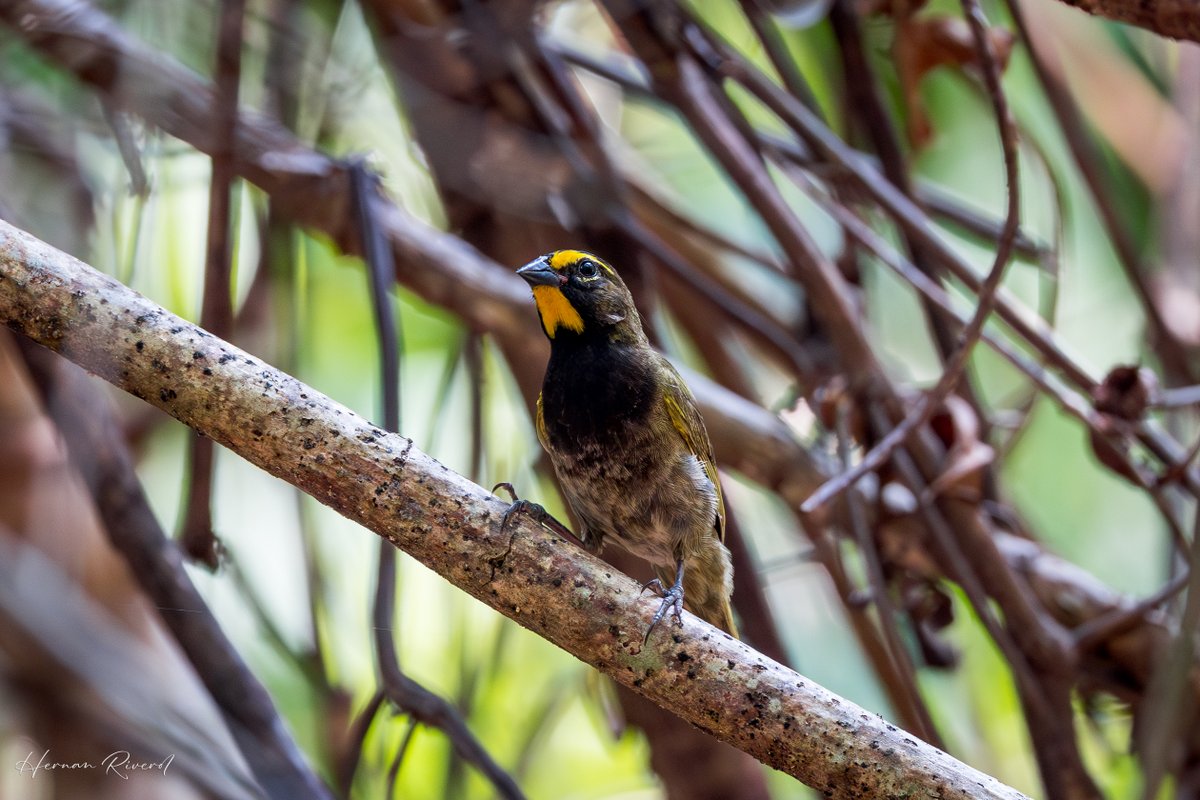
(225, 359)
(177, 329)
(197, 355)
(556, 582)
(140, 346)
(682, 657)
(320, 459)
(305, 422)
(207, 371)
(309, 444)
(166, 394)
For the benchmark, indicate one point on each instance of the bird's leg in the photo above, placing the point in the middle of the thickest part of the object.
(672, 599)
(535, 512)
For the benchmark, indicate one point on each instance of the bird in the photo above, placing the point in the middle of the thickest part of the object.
(626, 438)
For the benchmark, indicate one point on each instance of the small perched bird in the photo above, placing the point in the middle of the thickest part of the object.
(626, 439)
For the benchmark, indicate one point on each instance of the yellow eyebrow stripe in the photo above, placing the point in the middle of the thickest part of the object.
(561, 259)
(556, 310)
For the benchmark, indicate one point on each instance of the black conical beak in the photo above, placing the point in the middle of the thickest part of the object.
(540, 273)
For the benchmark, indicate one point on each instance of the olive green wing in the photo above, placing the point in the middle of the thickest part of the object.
(539, 425)
(685, 417)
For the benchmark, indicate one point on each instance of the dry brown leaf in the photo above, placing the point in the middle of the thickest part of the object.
(926, 43)
(966, 456)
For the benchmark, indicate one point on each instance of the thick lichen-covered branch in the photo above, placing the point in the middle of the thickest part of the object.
(451, 525)
(1177, 19)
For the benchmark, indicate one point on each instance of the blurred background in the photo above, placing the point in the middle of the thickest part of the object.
(470, 138)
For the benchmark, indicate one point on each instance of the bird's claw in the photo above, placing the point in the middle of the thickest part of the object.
(672, 601)
(531, 509)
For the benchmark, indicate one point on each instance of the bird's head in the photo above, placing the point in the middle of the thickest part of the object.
(580, 295)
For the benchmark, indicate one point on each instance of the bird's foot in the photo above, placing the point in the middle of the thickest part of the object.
(672, 601)
(531, 509)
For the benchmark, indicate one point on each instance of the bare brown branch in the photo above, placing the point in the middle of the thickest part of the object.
(1177, 19)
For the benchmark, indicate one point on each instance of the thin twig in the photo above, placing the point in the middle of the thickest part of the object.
(904, 668)
(906, 213)
(1044, 380)
(970, 335)
(405, 693)
(766, 28)
(867, 107)
(1098, 630)
(355, 739)
(763, 327)
(632, 77)
(1033, 330)
(1167, 704)
(473, 361)
(825, 551)
(216, 314)
(393, 773)
(1088, 160)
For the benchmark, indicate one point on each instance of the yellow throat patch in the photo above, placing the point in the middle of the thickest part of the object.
(556, 310)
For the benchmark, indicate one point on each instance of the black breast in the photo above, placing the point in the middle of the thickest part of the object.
(595, 393)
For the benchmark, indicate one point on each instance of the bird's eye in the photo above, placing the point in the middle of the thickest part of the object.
(587, 269)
